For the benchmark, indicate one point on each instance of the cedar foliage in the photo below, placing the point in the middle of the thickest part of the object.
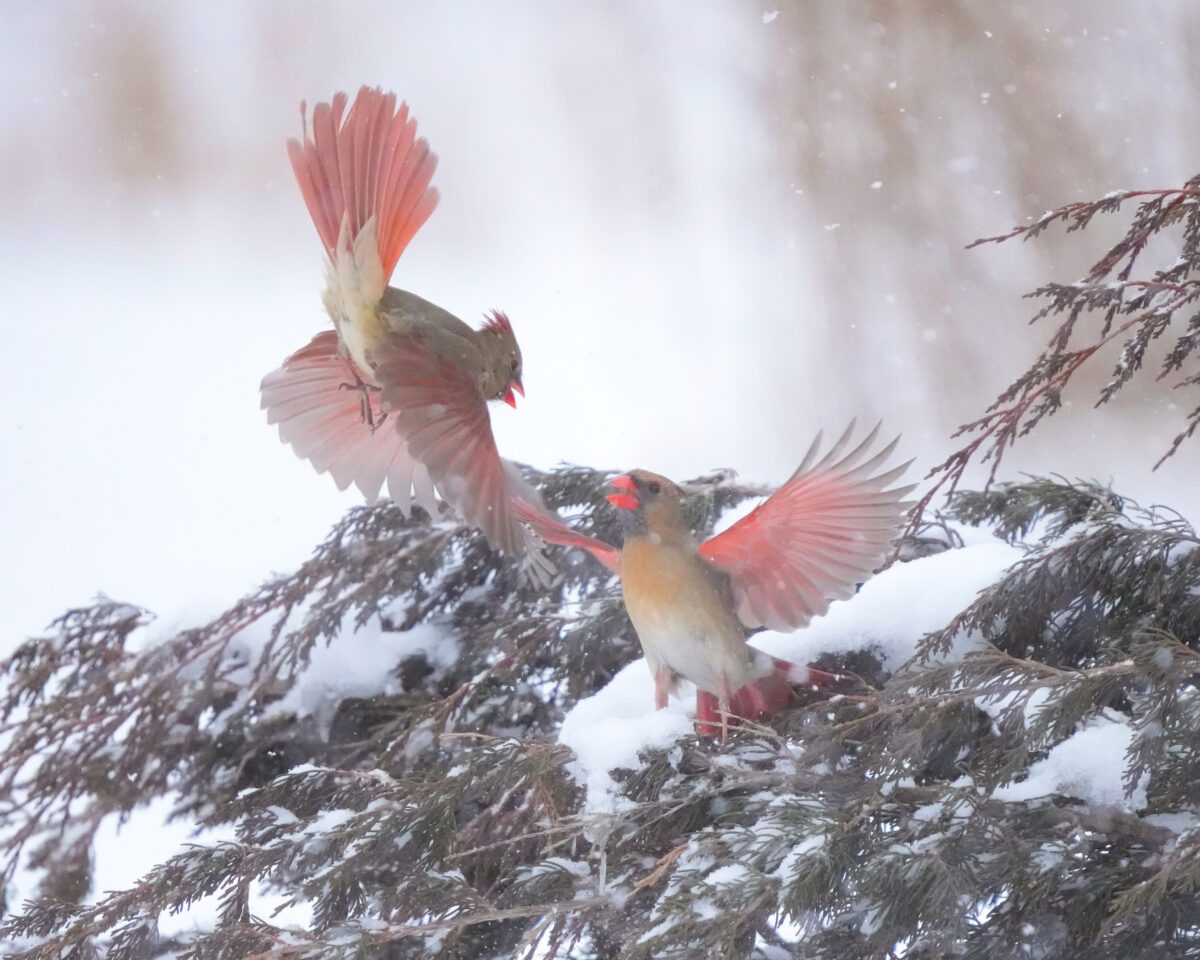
(437, 816)
(1109, 306)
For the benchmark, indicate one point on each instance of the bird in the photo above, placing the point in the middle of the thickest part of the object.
(398, 390)
(693, 605)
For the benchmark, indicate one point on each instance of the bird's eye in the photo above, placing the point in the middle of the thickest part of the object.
(653, 486)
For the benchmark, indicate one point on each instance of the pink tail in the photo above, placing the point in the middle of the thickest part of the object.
(764, 697)
(332, 418)
(370, 165)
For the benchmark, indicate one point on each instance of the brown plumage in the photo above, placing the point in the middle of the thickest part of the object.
(693, 604)
(398, 391)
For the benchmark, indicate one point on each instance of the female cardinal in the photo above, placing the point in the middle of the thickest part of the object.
(692, 605)
(398, 390)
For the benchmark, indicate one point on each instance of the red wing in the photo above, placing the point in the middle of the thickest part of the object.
(820, 534)
(315, 400)
(551, 529)
(437, 408)
(371, 165)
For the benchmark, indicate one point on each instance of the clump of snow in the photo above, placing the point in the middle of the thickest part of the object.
(995, 705)
(891, 612)
(889, 616)
(606, 731)
(728, 875)
(554, 864)
(359, 663)
(1088, 765)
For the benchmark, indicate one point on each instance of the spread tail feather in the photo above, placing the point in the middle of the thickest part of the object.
(365, 165)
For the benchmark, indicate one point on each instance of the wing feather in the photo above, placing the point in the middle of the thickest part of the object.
(322, 421)
(819, 535)
(550, 528)
(437, 407)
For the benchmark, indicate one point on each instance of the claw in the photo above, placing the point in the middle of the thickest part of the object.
(367, 410)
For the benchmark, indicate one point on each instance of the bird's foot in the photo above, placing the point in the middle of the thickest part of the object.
(366, 392)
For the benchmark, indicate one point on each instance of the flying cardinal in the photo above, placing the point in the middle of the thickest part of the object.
(693, 604)
(398, 389)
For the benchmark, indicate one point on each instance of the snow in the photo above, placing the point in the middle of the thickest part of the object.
(888, 616)
(894, 610)
(360, 663)
(607, 731)
(1088, 765)
(735, 513)
(124, 853)
(161, 266)
(727, 875)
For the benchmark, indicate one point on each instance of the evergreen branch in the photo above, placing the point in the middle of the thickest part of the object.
(1103, 297)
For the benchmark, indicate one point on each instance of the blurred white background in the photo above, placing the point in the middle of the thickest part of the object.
(717, 227)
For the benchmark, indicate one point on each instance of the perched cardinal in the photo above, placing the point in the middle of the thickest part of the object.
(398, 389)
(693, 604)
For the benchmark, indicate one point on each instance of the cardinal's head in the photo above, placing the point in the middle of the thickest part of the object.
(502, 360)
(647, 502)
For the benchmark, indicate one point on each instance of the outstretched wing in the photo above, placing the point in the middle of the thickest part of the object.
(815, 538)
(369, 165)
(551, 529)
(437, 407)
(331, 416)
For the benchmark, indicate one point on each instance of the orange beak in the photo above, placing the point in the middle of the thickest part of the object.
(508, 394)
(624, 498)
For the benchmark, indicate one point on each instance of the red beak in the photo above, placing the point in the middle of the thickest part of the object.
(518, 386)
(510, 399)
(624, 498)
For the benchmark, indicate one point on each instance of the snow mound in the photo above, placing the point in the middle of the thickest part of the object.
(891, 612)
(606, 731)
(1089, 765)
(361, 663)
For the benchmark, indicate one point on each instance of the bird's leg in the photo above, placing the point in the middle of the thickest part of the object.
(724, 696)
(662, 687)
(706, 714)
(364, 399)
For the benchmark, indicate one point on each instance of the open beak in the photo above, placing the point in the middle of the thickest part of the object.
(624, 497)
(508, 394)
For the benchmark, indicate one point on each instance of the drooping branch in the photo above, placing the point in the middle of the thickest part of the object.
(1105, 308)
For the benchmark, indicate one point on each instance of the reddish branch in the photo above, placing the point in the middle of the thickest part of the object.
(1034, 394)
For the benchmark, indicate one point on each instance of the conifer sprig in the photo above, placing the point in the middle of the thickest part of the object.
(1107, 306)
